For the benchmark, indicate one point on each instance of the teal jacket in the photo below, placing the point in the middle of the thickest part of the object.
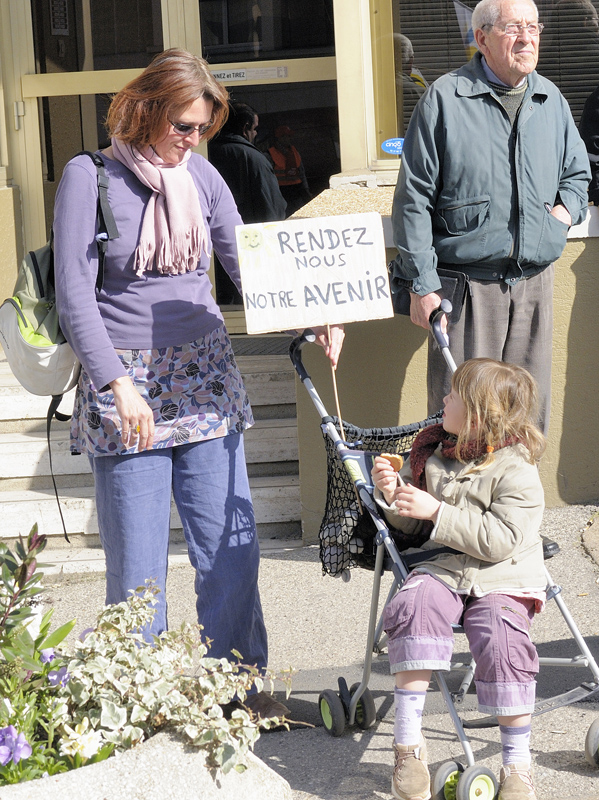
(461, 203)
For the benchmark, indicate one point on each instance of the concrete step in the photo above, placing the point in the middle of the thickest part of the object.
(24, 455)
(26, 494)
(38, 424)
(17, 404)
(62, 559)
(269, 380)
(255, 470)
(276, 500)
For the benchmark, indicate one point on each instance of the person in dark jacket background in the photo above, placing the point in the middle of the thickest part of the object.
(250, 177)
(248, 172)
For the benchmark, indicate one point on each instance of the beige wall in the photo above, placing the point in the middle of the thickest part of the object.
(381, 381)
(11, 237)
(570, 469)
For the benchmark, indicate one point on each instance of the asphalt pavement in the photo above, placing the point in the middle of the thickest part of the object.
(317, 625)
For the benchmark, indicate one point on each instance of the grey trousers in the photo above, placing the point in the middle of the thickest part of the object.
(507, 323)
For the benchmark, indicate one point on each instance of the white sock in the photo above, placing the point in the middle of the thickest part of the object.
(515, 744)
(408, 716)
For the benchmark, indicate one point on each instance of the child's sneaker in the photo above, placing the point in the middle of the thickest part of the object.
(411, 778)
(515, 783)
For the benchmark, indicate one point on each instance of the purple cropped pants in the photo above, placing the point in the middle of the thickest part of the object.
(418, 622)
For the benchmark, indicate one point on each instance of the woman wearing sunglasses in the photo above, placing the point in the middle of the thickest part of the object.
(160, 405)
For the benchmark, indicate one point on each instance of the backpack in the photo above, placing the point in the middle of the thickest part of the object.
(37, 352)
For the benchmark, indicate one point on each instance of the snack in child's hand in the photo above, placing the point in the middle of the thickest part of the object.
(395, 460)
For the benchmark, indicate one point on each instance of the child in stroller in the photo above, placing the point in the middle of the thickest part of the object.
(471, 481)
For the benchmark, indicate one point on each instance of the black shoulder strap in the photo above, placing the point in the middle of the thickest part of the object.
(53, 412)
(107, 227)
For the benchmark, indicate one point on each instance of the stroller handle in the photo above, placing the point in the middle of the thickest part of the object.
(436, 319)
(295, 352)
(441, 337)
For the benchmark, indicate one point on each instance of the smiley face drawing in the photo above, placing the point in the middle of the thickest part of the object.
(251, 239)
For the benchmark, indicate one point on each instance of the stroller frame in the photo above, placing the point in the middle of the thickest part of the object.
(356, 705)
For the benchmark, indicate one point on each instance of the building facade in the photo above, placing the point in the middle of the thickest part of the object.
(344, 75)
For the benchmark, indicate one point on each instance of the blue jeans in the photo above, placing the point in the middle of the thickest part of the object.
(211, 489)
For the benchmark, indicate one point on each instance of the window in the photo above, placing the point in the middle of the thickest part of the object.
(569, 50)
(80, 36)
(73, 35)
(238, 30)
(427, 43)
(431, 37)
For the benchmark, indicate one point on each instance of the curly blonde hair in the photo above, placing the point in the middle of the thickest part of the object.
(501, 403)
(142, 110)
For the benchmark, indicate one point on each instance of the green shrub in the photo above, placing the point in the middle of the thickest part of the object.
(74, 705)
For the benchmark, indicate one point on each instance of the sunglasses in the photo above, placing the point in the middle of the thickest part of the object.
(182, 129)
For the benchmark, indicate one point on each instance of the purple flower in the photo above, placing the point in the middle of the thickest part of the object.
(58, 677)
(13, 746)
(47, 655)
(83, 634)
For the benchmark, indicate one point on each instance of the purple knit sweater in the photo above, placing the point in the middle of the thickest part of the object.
(130, 312)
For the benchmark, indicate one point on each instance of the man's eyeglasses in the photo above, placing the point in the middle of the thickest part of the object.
(515, 28)
(186, 130)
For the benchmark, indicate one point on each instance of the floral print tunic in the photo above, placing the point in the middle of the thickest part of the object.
(195, 391)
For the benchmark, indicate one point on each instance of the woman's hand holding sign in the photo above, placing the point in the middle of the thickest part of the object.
(331, 339)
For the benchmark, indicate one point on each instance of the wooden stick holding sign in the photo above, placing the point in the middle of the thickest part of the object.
(340, 418)
(337, 406)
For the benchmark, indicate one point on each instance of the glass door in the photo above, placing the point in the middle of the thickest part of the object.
(84, 36)
(70, 56)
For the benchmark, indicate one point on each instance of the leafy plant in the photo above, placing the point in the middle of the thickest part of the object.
(112, 689)
(30, 709)
(126, 690)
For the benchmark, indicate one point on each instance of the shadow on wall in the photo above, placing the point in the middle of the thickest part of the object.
(578, 352)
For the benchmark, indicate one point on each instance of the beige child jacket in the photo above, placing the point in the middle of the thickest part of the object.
(492, 516)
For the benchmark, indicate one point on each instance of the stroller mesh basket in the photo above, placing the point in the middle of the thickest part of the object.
(346, 534)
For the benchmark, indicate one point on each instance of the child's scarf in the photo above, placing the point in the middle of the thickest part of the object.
(429, 439)
(173, 234)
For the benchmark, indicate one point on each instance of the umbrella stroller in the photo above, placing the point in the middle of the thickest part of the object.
(354, 535)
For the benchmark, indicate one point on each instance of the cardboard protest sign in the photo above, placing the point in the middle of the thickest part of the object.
(306, 272)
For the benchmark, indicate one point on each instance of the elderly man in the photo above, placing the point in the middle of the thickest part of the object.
(493, 174)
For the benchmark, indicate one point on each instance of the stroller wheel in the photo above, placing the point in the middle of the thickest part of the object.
(332, 712)
(591, 745)
(476, 783)
(365, 709)
(445, 781)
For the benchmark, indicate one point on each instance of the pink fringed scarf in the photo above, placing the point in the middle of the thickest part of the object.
(173, 234)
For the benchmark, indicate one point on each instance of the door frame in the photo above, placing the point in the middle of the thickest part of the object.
(23, 88)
